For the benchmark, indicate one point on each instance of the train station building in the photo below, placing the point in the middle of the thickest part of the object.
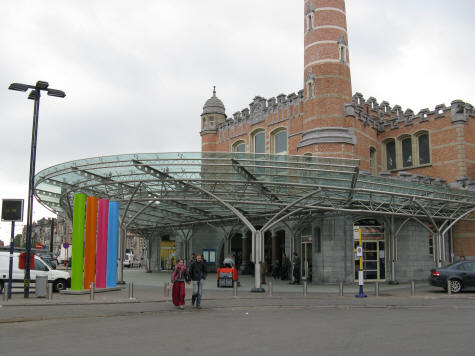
(300, 173)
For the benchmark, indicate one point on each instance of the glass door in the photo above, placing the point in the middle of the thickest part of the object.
(374, 266)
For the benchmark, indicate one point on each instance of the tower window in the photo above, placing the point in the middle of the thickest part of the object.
(211, 121)
(407, 152)
(424, 150)
(239, 146)
(310, 25)
(372, 161)
(343, 53)
(260, 143)
(279, 142)
(391, 155)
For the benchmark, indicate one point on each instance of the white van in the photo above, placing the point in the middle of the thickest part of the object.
(60, 279)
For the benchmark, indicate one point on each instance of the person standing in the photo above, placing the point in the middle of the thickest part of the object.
(193, 259)
(178, 279)
(296, 268)
(229, 262)
(197, 274)
(285, 267)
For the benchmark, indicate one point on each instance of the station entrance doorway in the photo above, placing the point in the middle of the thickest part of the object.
(374, 251)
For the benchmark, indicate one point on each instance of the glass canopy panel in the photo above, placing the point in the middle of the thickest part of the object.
(170, 189)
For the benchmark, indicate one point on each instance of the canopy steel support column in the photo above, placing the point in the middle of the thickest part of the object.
(256, 257)
(122, 237)
(438, 243)
(392, 242)
(120, 270)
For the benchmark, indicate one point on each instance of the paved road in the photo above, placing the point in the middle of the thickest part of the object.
(265, 329)
(284, 324)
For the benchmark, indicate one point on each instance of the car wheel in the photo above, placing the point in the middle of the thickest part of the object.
(59, 285)
(455, 286)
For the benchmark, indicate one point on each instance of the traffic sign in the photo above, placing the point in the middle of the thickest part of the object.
(66, 245)
(359, 251)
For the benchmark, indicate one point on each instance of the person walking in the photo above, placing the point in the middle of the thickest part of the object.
(178, 279)
(296, 268)
(197, 273)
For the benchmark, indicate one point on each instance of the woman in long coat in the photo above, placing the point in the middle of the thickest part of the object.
(178, 279)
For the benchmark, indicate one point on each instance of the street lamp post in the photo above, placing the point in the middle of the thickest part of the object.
(35, 95)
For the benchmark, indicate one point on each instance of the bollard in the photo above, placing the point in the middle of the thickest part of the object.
(341, 289)
(413, 288)
(270, 288)
(5, 292)
(235, 288)
(376, 289)
(305, 290)
(166, 291)
(131, 290)
(449, 287)
(50, 291)
(92, 290)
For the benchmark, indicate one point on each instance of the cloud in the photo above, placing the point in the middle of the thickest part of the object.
(137, 75)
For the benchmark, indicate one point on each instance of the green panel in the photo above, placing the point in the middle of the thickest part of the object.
(78, 242)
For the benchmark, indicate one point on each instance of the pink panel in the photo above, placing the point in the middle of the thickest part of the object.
(101, 251)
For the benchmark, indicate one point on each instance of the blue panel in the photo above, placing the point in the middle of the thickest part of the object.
(112, 244)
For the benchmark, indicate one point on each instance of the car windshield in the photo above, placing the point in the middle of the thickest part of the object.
(47, 261)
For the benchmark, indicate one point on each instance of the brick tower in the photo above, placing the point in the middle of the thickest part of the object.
(327, 81)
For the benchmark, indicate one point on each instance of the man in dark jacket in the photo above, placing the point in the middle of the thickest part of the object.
(285, 267)
(296, 268)
(197, 274)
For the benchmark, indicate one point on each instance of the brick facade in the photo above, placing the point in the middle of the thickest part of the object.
(325, 119)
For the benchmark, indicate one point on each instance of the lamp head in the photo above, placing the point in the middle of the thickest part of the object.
(55, 92)
(42, 85)
(34, 95)
(18, 87)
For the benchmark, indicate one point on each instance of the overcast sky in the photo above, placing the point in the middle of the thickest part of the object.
(137, 74)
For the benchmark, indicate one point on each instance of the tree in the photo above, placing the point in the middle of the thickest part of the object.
(17, 240)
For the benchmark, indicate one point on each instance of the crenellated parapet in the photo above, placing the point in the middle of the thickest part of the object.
(260, 108)
(383, 117)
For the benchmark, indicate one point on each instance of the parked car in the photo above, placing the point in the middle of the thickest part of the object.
(460, 274)
(50, 259)
(60, 279)
(130, 260)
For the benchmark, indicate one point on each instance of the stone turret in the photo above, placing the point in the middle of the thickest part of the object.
(214, 114)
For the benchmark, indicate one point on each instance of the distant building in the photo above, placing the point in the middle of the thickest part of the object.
(41, 232)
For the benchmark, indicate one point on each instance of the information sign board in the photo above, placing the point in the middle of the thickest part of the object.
(12, 209)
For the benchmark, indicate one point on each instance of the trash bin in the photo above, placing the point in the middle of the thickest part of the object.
(41, 286)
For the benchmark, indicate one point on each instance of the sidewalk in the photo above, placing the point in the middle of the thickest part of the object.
(149, 287)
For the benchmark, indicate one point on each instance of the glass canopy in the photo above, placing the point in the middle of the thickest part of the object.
(166, 190)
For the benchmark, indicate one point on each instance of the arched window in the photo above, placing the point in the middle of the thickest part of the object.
(390, 155)
(259, 141)
(373, 166)
(423, 148)
(406, 147)
(279, 141)
(239, 146)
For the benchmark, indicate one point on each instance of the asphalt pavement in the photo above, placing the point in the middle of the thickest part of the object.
(284, 323)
